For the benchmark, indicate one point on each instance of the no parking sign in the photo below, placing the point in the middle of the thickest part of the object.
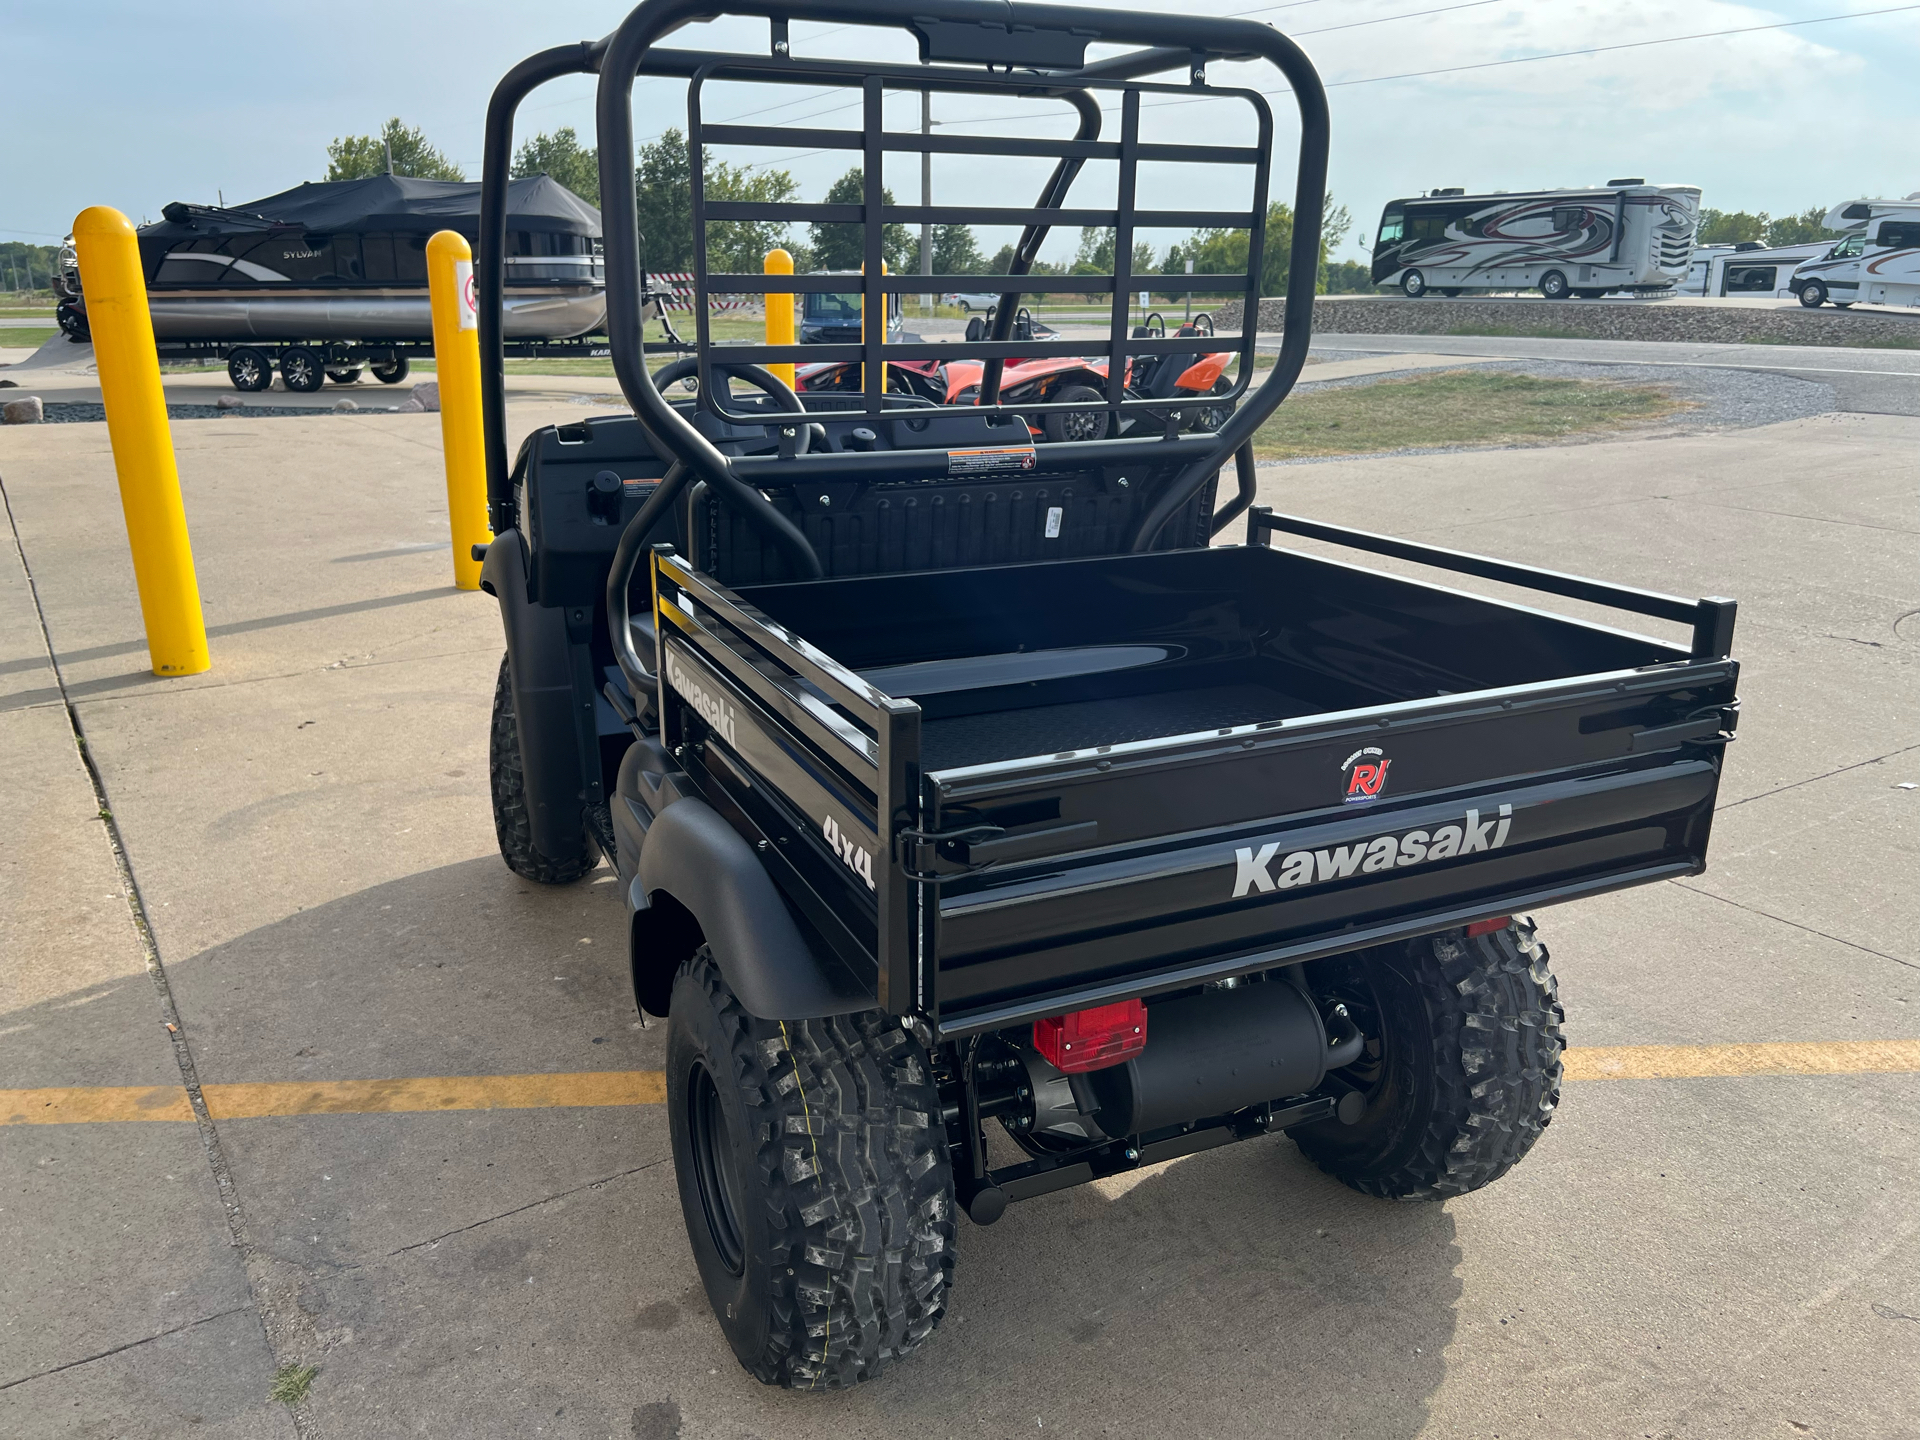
(469, 295)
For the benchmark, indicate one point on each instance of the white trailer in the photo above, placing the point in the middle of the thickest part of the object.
(1627, 235)
(1758, 271)
(1876, 263)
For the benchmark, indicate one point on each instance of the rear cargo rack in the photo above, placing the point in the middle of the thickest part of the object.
(1711, 617)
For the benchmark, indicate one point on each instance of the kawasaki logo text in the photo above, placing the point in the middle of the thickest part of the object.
(1253, 872)
(710, 707)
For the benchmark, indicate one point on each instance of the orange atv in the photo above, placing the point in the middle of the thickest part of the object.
(1183, 377)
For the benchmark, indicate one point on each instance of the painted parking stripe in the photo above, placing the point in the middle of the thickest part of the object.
(1690, 1062)
(82, 1104)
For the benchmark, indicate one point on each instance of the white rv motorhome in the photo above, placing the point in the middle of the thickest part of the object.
(1877, 260)
(1627, 235)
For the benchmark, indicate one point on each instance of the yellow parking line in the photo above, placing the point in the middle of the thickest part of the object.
(74, 1104)
(1784, 1057)
(80, 1104)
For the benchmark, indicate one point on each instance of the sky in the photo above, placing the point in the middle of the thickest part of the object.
(134, 105)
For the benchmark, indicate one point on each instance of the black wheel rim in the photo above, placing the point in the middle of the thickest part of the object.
(1083, 425)
(713, 1169)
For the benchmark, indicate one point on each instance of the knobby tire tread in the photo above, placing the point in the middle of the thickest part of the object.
(507, 782)
(853, 1168)
(1495, 1021)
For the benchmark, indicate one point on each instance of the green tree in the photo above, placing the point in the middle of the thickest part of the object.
(1348, 277)
(1224, 252)
(841, 246)
(354, 157)
(956, 251)
(1731, 227)
(1802, 229)
(562, 157)
(663, 195)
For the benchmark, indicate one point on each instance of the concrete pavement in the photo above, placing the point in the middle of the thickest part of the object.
(307, 828)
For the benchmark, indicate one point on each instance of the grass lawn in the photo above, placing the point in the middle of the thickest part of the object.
(27, 312)
(19, 337)
(1451, 407)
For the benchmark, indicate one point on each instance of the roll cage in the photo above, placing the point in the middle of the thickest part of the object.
(975, 47)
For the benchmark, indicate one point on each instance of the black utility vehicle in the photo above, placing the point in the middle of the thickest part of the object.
(982, 829)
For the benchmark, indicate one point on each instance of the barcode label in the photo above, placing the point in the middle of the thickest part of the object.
(1053, 521)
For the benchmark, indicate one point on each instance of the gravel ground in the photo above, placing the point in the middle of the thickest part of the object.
(1719, 399)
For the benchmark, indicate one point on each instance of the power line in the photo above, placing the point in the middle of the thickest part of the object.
(1408, 15)
(1626, 45)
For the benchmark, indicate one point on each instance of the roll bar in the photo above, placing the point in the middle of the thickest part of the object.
(1038, 47)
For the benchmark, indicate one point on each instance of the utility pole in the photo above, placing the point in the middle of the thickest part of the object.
(926, 199)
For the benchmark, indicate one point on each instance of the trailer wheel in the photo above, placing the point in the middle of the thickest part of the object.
(1462, 1065)
(1413, 284)
(249, 369)
(1077, 424)
(1813, 294)
(1553, 286)
(346, 374)
(511, 824)
(392, 370)
(814, 1179)
(1452, 292)
(302, 370)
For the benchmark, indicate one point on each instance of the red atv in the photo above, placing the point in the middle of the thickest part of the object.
(1179, 376)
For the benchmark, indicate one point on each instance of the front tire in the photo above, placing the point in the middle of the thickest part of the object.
(249, 369)
(1462, 1066)
(512, 825)
(1413, 284)
(1813, 294)
(1553, 286)
(815, 1181)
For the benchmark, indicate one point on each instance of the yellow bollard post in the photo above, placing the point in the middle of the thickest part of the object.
(885, 316)
(116, 291)
(456, 354)
(780, 312)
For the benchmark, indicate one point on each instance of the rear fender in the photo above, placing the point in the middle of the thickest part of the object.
(540, 672)
(1203, 372)
(698, 882)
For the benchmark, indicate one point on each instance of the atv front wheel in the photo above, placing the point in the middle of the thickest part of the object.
(511, 824)
(1461, 1071)
(815, 1182)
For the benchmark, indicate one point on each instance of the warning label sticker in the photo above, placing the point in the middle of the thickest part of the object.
(1002, 460)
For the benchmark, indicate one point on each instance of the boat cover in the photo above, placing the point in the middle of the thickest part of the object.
(395, 203)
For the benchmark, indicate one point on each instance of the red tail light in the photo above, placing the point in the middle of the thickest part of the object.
(1092, 1039)
(1487, 927)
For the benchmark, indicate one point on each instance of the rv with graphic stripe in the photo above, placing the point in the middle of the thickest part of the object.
(1625, 236)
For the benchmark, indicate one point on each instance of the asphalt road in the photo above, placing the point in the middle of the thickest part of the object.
(328, 934)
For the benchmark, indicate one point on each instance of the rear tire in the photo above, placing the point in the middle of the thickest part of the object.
(346, 374)
(1076, 424)
(302, 370)
(512, 825)
(1553, 286)
(815, 1182)
(1462, 1066)
(392, 370)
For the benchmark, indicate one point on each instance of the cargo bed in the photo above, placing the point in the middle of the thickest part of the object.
(1131, 773)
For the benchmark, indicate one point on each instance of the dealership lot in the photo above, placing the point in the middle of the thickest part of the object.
(430, 1161)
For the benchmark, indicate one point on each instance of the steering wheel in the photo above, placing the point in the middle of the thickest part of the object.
(757, 376)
